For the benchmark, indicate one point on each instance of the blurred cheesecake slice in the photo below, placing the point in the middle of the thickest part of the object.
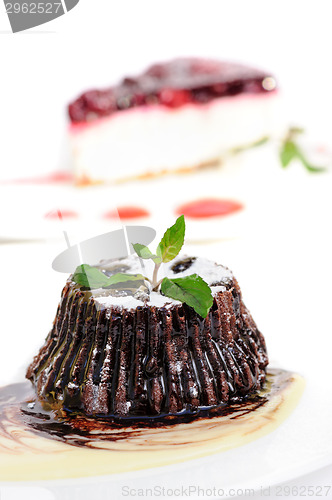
(175, 116)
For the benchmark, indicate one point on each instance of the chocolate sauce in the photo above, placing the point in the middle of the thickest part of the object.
(38, 442)
(19, 408)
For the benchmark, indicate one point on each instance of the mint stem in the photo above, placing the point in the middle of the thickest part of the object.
(158, 284)
(155, 283)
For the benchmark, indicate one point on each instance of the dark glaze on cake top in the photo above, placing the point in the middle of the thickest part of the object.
(106, 356)
(172, 84)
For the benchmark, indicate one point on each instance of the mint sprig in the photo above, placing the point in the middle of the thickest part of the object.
(168, 248)
(91, 277)
(192, 290)
(172, 241)
(144, 252)
(290, 151)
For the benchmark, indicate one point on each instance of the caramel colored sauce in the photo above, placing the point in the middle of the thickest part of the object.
(41, 443)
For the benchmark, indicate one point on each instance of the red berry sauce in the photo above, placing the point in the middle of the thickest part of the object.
(62, 214)
(54, 178)
(127, 212)
(211, 207)
(172, 84)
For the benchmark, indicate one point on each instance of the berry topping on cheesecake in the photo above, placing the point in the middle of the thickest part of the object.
(172, 84)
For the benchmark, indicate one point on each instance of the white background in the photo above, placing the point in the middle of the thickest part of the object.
(285, 269)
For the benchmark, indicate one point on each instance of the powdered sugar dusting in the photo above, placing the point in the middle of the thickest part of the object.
(215, 275)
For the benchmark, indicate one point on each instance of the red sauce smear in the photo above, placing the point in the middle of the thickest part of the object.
(209, 207)
(127, 212)
(61, 214)
(54, 178)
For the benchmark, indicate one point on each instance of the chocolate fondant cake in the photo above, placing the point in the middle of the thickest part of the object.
(136, 353)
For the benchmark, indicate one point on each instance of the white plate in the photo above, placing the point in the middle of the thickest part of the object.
(283, 267)
(25, 207)
(292, 450)
(301, 444)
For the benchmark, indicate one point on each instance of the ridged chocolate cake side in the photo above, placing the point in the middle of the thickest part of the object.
(150, 360)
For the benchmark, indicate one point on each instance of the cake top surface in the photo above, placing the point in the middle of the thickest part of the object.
(191, 73)
(172, 84)
(215, 275)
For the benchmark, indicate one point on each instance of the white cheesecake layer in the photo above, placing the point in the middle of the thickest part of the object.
(152, 139)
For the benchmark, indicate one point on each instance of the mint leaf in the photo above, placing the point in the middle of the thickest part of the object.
(91, 277)
(144, 252)
(307, 165)
(289, 151)
(172, 241)
(192, 290)
(115, 279)
(312, 168)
